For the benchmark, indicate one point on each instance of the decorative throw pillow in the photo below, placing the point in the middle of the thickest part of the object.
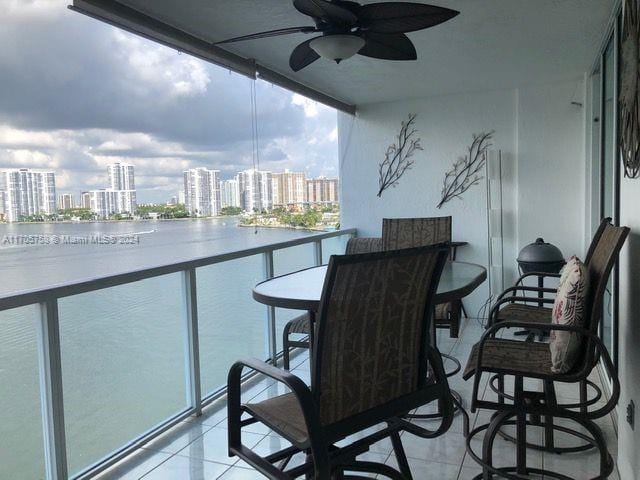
(569, 309)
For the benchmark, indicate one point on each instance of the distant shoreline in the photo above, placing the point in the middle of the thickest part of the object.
(152, 220)
(124, 220)
(287, 227)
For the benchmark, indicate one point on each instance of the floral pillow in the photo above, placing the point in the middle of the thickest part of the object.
(569, 309)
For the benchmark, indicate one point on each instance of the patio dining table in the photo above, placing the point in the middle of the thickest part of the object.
(302, 290)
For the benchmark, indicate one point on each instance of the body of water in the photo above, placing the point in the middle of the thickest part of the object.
(123, 348)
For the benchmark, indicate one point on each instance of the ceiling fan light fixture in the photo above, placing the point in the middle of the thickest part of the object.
(337, 47)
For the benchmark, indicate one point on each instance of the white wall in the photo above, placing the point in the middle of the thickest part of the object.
(629, 333)
(551, 165)
(542, 139)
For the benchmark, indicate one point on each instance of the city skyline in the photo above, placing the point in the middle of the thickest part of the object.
(229, 189)
(133, 101)
(32, 192)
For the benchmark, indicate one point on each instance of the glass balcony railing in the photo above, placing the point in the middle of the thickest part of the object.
(21, 443)
(112, 362)
(229, 316)
(131, 380)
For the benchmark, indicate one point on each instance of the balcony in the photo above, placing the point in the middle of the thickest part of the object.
(167, 400)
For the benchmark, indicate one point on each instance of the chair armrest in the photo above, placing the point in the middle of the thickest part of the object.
(525, 288)
(299, 389)
(282, 376)
(434, 359)
(493, 315)
(602, 351)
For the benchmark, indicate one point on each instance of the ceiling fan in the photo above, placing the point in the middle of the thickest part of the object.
(375, 30)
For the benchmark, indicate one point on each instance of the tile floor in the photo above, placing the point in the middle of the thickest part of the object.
(196, 449)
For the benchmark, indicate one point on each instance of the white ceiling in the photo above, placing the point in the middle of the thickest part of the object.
(492, 44)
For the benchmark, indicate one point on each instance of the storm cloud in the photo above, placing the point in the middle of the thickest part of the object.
(76, 94)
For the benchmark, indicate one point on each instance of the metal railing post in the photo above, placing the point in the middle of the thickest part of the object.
(192, 346)
(317, 252)
(272, 346)
(51, 399)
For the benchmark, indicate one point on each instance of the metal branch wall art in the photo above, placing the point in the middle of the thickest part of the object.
(630, 90)
(466, 172)
(397, 159)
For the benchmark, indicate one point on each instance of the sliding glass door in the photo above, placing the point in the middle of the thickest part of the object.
(605, 161)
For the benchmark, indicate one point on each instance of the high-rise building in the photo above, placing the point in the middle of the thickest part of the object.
(126, 201)
(181, 198)
(256, 190)
(122, 178)
(85, 200)
(332, 190)
(230, 193)
(289, 188)
(275, 190)
(322, 190)
(66, 201)
(28, 192)
(102, 202)
(107, 202)
(202, 192)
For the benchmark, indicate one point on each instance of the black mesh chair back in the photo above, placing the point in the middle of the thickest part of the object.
(398, 233)
(596, 238)
(603, 258)
(372, 334)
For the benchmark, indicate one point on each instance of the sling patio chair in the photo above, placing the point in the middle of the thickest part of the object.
(533, 360)
(400, 233)
(372, 363)
(300, 324)
(527, 308)
(515, 304)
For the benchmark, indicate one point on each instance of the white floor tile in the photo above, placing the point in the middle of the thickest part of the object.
(212, 446)
(449, 448)
(237, 473)
(135, 466)
(429, 470)
(185, 468)
(178, 437)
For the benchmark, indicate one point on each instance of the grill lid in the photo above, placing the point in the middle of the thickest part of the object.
(540, 252)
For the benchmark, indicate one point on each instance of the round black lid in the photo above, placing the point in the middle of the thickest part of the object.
(541, 252)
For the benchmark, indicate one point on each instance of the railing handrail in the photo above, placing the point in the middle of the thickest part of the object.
(30, 297)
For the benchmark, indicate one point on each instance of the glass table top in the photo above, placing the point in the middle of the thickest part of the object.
(302, 290)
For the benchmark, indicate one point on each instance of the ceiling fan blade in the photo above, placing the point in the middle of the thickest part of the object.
(302, 56)
(269, 33)
(402, 17)
(388, 46)
(326, 11)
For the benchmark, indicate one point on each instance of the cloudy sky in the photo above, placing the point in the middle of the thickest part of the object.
(76, 95)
